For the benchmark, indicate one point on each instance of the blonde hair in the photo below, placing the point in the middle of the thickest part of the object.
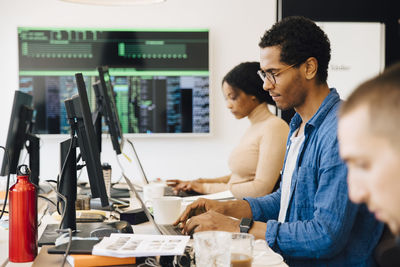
(381, 96)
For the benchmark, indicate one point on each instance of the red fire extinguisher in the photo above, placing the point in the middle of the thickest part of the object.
(22, 240)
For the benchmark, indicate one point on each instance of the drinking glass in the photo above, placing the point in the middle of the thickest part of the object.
(212, 248)
(242, 249)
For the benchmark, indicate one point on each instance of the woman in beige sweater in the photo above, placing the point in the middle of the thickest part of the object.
(256, 161)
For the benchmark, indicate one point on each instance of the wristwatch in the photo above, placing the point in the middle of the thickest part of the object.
(245, 225)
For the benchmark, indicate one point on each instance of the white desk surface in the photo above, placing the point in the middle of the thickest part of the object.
(145, 228)
(45, 259)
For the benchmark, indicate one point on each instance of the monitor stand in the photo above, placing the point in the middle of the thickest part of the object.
(50, 234)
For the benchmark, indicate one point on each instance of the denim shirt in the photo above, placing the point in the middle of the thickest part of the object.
(322, 226)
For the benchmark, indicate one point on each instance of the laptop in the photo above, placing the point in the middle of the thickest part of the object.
(168, 189)
(164, 229)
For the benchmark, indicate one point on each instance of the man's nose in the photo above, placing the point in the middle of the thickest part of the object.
(267, 85)
(358, 192)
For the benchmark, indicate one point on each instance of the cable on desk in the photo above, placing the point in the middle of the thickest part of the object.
(46, 209)
(43, 214)
(129, 159)
(48, 199)
(123, 175)
(63, 198)
(61, 174)
(150, 262)
(8, 181)
(5, 263)
(69, 231)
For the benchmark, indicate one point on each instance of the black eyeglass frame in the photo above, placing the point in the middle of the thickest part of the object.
(271, 76)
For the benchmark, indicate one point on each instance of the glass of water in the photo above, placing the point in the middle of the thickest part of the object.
(212, 248)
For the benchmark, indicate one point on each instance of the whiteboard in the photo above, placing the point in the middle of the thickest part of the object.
(357, 53)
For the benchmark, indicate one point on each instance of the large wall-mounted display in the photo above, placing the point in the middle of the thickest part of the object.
(160, 76)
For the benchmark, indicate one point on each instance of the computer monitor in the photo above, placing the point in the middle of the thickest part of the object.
(19, 132)
(98, 113)
(87, 142)
(83, 136)
(160, 76)
(110, 109)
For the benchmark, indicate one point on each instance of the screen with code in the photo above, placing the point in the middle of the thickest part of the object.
(160, 77)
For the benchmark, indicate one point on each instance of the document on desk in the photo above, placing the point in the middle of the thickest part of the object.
(134, 245)
(224, 195)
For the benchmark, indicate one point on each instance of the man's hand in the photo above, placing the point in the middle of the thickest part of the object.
(211, 221)
(200, 206)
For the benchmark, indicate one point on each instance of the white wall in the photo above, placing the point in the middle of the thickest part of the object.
(358, 53)
(235, 28)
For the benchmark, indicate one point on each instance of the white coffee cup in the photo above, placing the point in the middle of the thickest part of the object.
(151, 191)
(166, 210)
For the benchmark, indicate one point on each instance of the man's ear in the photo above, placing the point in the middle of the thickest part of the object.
(310, 68)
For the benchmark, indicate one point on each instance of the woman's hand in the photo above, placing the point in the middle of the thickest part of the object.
(179, 185)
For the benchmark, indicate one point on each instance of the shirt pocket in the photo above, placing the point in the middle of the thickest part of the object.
(306, 187)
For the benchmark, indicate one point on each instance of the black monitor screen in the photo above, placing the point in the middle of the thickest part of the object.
(87, 142)
(110, 109)
(160, 77)
(21, 117)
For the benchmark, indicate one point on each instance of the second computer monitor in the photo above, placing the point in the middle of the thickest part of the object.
(88, 143)
(110, 109)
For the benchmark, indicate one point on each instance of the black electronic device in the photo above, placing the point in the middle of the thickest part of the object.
(97, 115)
(19, 132)
(87, 141)
(110, 109)
(245, 225)
(160, 77)
(84, 246)
(83, 136)
(123, 227)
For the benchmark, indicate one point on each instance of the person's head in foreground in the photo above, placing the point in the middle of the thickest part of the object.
(369, 139)
(243, 89)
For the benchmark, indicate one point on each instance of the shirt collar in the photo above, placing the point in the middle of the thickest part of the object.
(330, 100)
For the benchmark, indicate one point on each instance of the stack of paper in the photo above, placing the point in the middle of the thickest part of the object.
(134, 245)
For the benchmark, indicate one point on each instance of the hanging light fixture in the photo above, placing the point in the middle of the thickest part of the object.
(114, 2)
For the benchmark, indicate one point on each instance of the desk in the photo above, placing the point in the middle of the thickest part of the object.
(44, 259)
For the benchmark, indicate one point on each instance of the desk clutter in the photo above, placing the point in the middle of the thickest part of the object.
(104, 236)
(137, 245)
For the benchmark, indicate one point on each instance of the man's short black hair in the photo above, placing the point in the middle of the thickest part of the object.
(244, 77)
(299, 39)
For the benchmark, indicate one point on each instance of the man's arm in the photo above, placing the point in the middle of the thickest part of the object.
(258, 230)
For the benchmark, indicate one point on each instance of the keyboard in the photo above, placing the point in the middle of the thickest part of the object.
(169, 191)
(169, 229)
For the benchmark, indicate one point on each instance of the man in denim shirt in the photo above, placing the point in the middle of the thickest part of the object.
(310, 219)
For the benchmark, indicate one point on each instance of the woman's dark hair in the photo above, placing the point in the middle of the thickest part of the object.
(244, 77)
(299, 39)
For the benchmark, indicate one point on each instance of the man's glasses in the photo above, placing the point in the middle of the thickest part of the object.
(271, 76)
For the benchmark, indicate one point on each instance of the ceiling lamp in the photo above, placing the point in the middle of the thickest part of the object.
(114, 2)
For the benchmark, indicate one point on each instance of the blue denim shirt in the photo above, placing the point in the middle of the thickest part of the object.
(322, 226)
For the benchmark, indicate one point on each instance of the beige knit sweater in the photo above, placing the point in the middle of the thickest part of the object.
(257, 160)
